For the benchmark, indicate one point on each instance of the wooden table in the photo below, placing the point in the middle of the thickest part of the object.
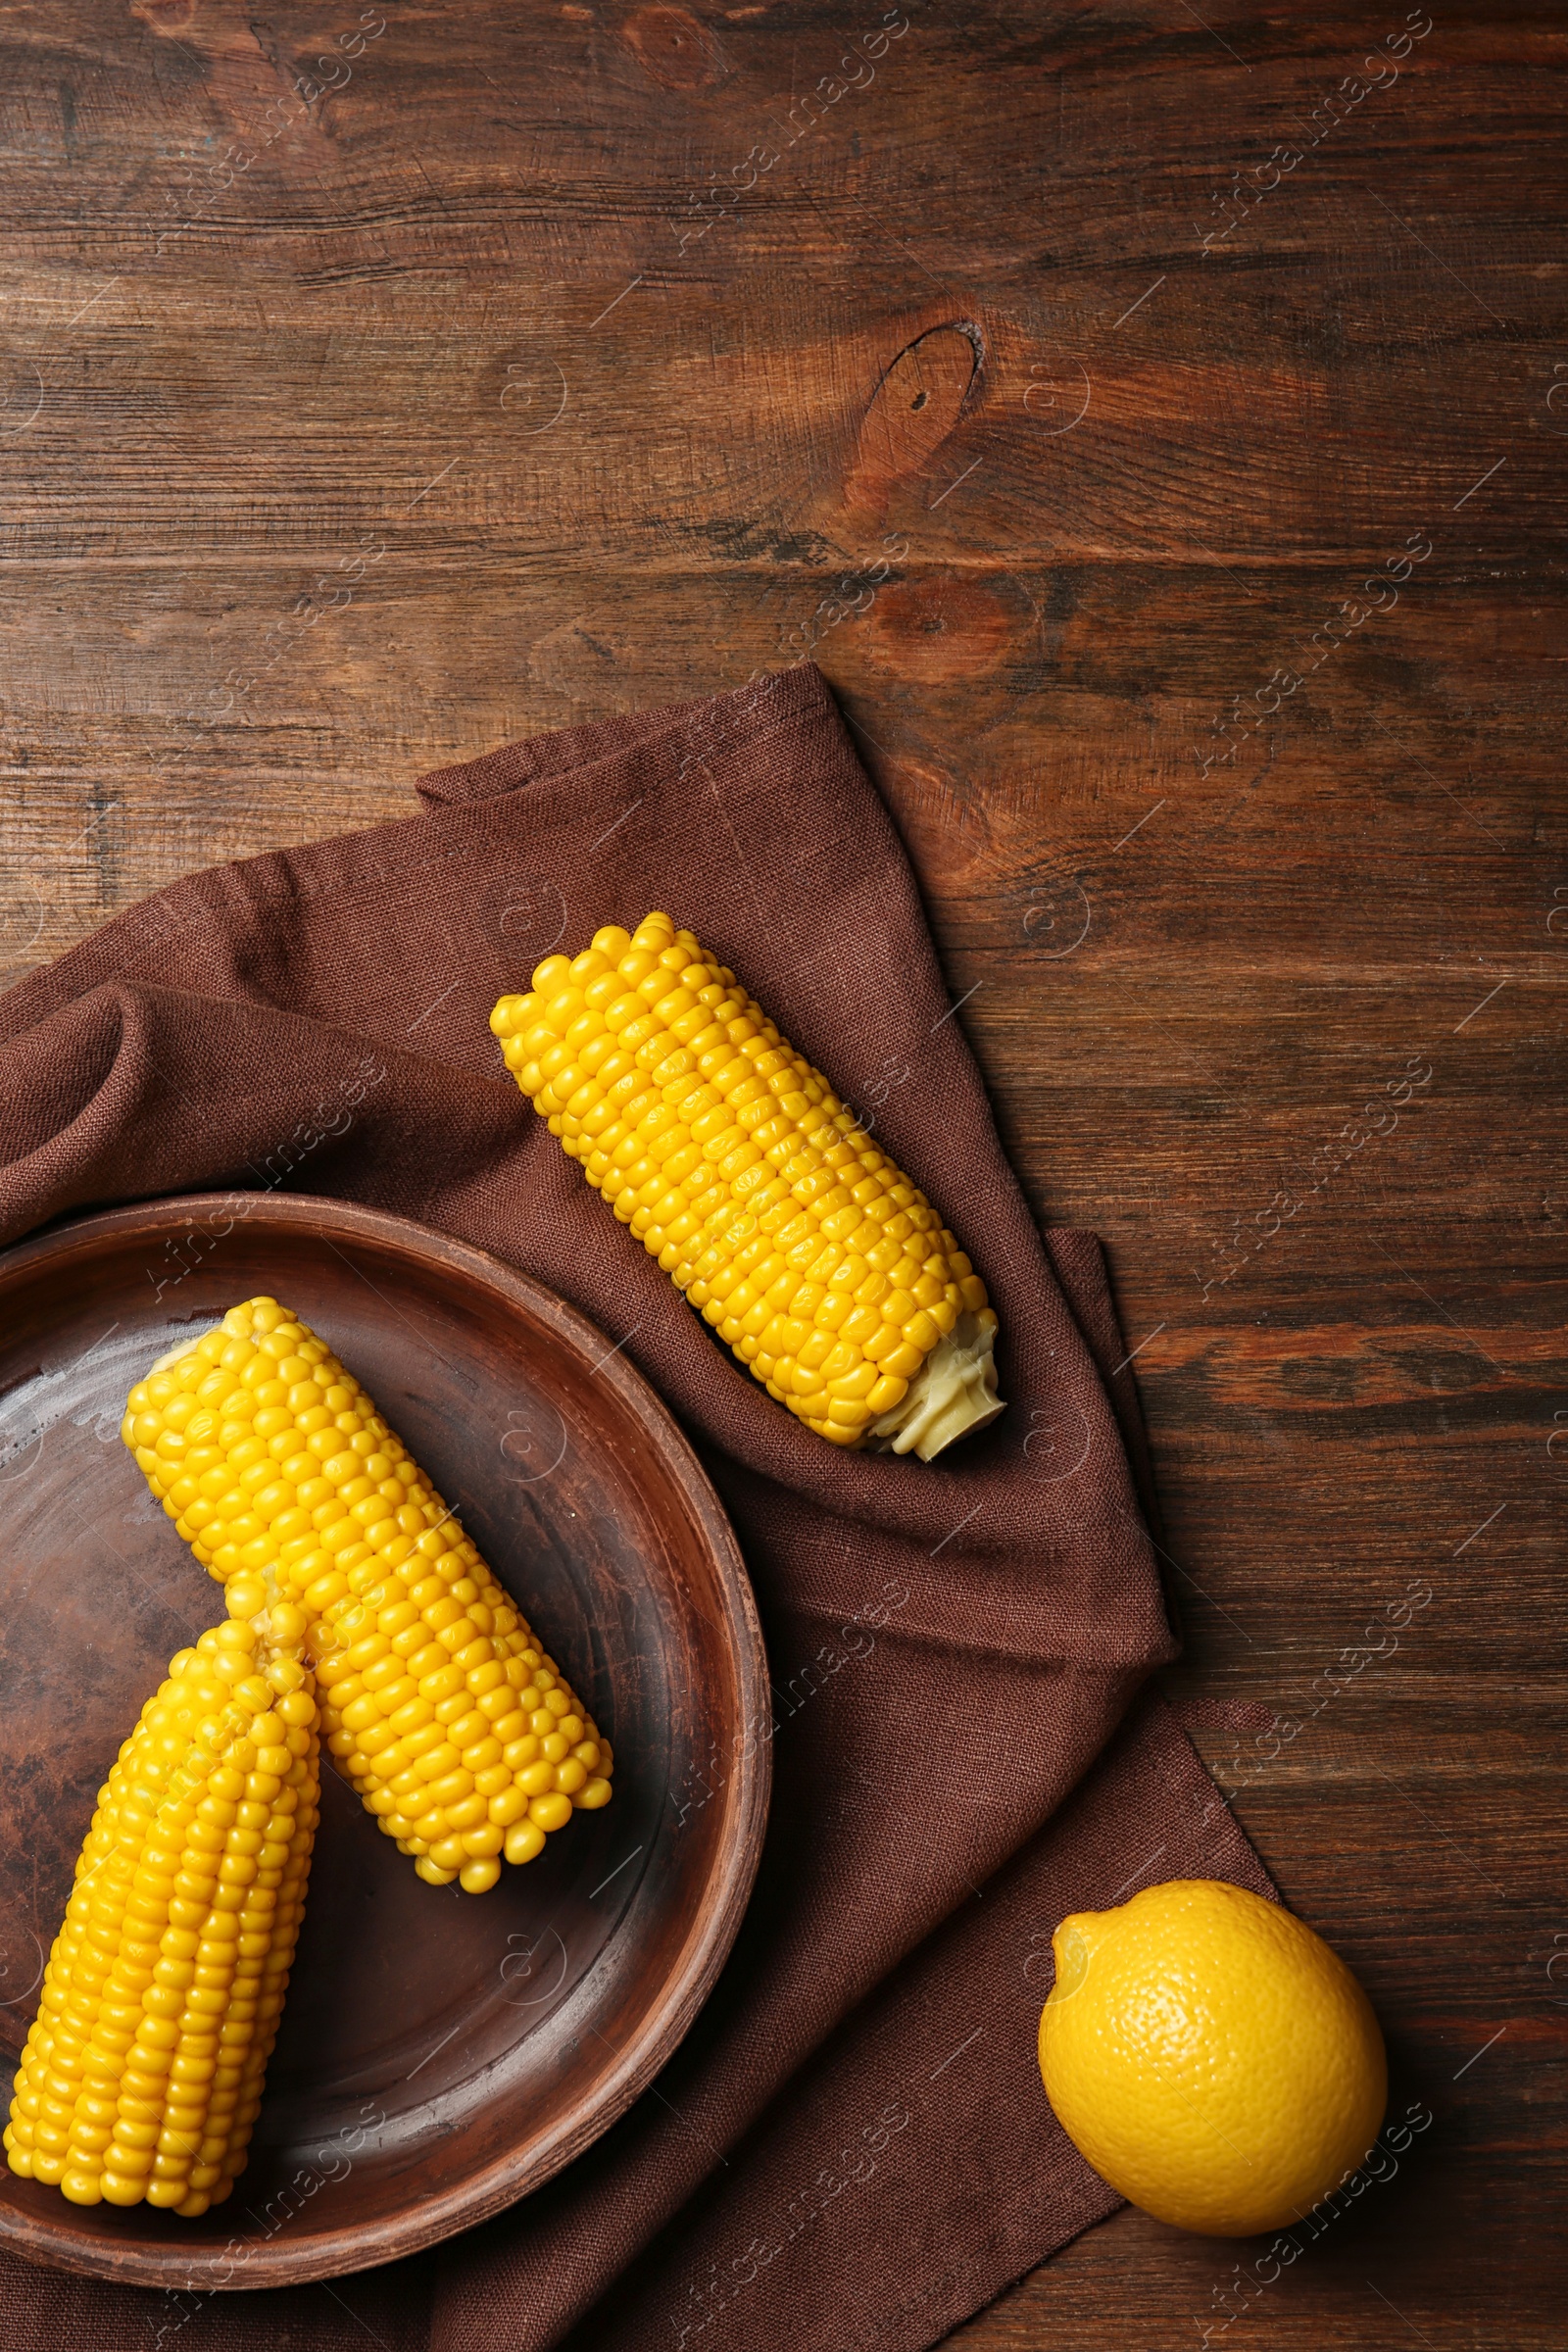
(1153, 423)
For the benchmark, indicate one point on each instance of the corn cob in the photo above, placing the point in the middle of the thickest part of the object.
(141, 2076)
(437, 1702)
(762, 1196)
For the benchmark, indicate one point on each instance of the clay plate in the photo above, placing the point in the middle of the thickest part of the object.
(440, 2053)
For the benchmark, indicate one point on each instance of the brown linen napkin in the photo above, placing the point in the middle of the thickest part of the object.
(851, 2146)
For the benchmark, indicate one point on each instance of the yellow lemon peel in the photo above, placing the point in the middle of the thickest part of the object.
(1210, 2057)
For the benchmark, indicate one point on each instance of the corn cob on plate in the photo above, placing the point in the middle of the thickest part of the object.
(438, 1703)
(142, 2072)
(437, 2055)
(763, 1196)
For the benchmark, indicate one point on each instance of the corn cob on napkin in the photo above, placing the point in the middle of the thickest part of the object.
(852, 2142)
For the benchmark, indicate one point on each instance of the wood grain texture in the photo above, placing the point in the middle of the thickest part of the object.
(1198, 610)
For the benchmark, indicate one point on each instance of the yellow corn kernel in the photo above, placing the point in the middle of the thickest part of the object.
(141, 2076)
(273, 1463)
(814, 1258)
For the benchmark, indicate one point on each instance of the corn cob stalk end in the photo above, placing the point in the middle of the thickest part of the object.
(953, 1393)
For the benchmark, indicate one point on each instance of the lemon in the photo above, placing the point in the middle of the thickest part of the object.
(1211, 2056)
